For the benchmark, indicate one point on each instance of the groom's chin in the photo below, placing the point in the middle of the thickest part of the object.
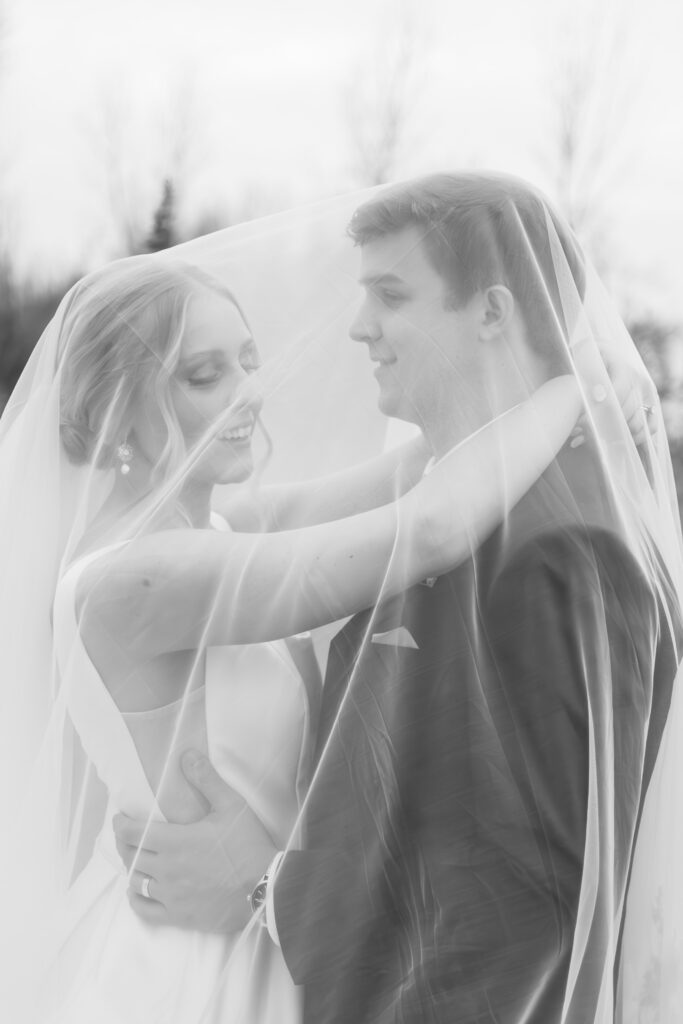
(396, 406)
(388, 403)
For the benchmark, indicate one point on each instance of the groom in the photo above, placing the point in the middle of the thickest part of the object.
(446, 829)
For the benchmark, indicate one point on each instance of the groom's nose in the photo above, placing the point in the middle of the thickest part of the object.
(364, 327)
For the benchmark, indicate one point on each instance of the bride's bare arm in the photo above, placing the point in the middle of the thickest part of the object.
(357, 489)
(177, 590)
(380, 480)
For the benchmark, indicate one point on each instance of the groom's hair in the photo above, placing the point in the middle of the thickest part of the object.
(487, 229)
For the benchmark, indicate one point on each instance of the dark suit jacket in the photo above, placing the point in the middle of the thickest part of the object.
(444, 834)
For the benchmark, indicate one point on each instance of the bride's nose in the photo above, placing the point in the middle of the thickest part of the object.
(249, 395)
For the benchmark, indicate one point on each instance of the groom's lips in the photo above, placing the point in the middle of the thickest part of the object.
(382, 360)
(382, 364)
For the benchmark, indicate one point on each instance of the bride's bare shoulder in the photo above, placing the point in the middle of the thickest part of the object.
(137, 564)
(144, 588)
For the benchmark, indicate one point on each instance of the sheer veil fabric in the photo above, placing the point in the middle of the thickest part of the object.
(479, 808)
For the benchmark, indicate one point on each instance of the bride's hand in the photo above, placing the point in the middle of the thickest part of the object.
(635, 392)
(200, 874)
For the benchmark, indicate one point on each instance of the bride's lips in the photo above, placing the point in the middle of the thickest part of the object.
(237, 433)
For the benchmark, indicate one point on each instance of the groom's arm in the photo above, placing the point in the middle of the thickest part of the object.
(574, 627)
(570, 616)
(569, 619)
(202, 874)
(313, 908)
(319, 898)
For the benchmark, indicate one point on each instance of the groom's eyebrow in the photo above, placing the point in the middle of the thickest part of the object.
(375, 279)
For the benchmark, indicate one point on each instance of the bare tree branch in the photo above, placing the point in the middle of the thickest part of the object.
(112, 147)
(591, 96)
(380, 97)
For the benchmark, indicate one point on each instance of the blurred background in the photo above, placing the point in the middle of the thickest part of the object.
(127, 127)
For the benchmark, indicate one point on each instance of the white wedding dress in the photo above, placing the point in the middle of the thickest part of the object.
(252, 714)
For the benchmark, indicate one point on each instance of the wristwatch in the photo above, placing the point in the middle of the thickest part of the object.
(257, 896)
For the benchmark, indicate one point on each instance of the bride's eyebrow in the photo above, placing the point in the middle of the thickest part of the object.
(247, 345)
(198, 357)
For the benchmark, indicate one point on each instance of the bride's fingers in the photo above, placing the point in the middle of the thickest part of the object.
(641, 416)
(638, 398)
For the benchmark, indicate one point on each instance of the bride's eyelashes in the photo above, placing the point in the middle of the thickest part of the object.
(210, 373)
(206, 380)
(201, 373)
(206, 373)
(200, 382)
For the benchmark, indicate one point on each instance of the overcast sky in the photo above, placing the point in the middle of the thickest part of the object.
(243, 102)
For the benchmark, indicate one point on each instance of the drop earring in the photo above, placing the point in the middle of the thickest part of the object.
(124, 453)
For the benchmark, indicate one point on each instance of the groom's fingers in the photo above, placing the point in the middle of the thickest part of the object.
(152, 836)
(144, 885)
(201, 773)
(148, 909)
(143, 861)
(126, 853)
(129, 832)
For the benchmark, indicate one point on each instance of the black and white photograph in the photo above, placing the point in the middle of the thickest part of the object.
(341, 476)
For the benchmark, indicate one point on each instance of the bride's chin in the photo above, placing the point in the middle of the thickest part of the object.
(236, 474)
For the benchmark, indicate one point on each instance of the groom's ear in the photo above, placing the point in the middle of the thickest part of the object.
(498, 307)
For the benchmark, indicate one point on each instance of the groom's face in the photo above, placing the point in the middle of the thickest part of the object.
(425, 353)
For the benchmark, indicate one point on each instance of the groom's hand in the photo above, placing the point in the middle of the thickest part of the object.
(200, 874)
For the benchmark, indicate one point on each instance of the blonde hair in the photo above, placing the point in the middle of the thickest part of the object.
(119, 345)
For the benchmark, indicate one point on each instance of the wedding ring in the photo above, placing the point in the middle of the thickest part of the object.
(144, 888)
(648, 409)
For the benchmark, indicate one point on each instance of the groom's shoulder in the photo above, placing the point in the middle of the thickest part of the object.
(568, 524)
(573, 549)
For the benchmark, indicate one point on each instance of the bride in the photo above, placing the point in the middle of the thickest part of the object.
(147, 375)
(140, 622)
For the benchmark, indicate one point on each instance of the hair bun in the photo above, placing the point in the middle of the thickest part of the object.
(77, 441)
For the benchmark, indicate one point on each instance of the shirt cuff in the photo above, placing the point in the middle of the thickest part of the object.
(270, 897)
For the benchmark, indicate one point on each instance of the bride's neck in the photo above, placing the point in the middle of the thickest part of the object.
(190, 507)
(195, 502)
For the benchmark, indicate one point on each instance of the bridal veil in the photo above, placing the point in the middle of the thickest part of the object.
(613, 895)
